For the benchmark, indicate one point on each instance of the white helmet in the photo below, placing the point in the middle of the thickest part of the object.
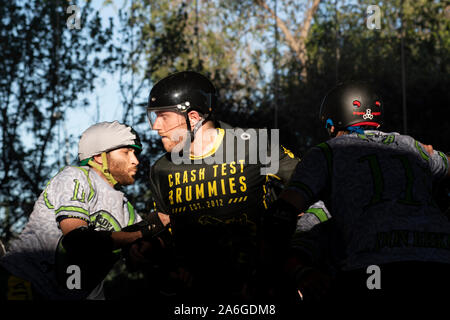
(104, 137)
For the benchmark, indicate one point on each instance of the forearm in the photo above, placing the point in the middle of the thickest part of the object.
(295, 199)
(157, 225)
(122, 238)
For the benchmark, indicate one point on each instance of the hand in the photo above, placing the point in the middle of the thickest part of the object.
(165, 218)
(183, 276)
(313, 285)
(143, 252)
(140, 250)
(428, 148)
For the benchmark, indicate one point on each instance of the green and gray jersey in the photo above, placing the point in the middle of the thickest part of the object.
(378, 189)
(75, 192)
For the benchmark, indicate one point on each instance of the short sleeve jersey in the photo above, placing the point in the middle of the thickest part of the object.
(75, 192)
(378, 188)
(216, 201)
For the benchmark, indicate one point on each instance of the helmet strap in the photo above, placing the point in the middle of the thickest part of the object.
(328, 126)
(193, 131)
(104, 169)
(188, 125)
(197, 126)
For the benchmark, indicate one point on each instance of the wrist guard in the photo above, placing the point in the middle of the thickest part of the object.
(150, 228)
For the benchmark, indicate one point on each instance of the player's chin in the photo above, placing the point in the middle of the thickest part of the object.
(169, 145)
(174, 144)
(128, 180)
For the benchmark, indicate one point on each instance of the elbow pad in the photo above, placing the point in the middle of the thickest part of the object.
(91, 251)
(85, 240)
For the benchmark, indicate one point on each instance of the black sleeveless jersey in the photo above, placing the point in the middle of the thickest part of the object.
(216, 201)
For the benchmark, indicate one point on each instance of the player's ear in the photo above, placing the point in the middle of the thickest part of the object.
(98, 159)
(194, 117)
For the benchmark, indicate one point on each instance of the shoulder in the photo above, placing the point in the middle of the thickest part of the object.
(317, 155)
(161, 163)
(257, 136)
(165, 158)
(238, 132)
(321, 155)
(72, 172)
(223, 125)
(70, 180)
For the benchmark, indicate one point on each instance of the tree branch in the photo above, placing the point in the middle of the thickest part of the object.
(291, 41)
(297, 45)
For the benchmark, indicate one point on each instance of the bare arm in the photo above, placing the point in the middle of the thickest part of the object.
(448, 171)
(429, 149)
(70, 224)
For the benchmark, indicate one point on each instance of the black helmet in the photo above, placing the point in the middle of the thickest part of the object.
(351, 104)
(182, 92)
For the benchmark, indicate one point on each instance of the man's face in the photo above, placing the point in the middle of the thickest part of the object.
(123, 164)
(172, 128)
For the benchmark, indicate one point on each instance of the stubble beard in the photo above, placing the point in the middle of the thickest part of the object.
(176, 141)
(121, 172)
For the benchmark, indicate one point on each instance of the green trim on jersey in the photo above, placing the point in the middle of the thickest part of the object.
(328, 155)
(444, 157)
(422, 154)
(131, 214)
(105, 215)
(319, 213)
(47, 202)
(362, 136)
(72, 209)
(302, 186)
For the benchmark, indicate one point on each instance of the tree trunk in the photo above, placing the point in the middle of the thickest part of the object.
(298, 45)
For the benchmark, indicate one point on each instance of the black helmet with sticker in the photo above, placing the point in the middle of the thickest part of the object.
(352, 104)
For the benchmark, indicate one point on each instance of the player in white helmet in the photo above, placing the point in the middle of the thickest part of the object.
(74, 234)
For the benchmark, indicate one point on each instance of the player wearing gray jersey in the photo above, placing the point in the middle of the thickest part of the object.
(77, 220)
(378, 188)
(391, 215)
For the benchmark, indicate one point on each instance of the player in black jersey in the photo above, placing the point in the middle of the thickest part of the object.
(215, 182)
